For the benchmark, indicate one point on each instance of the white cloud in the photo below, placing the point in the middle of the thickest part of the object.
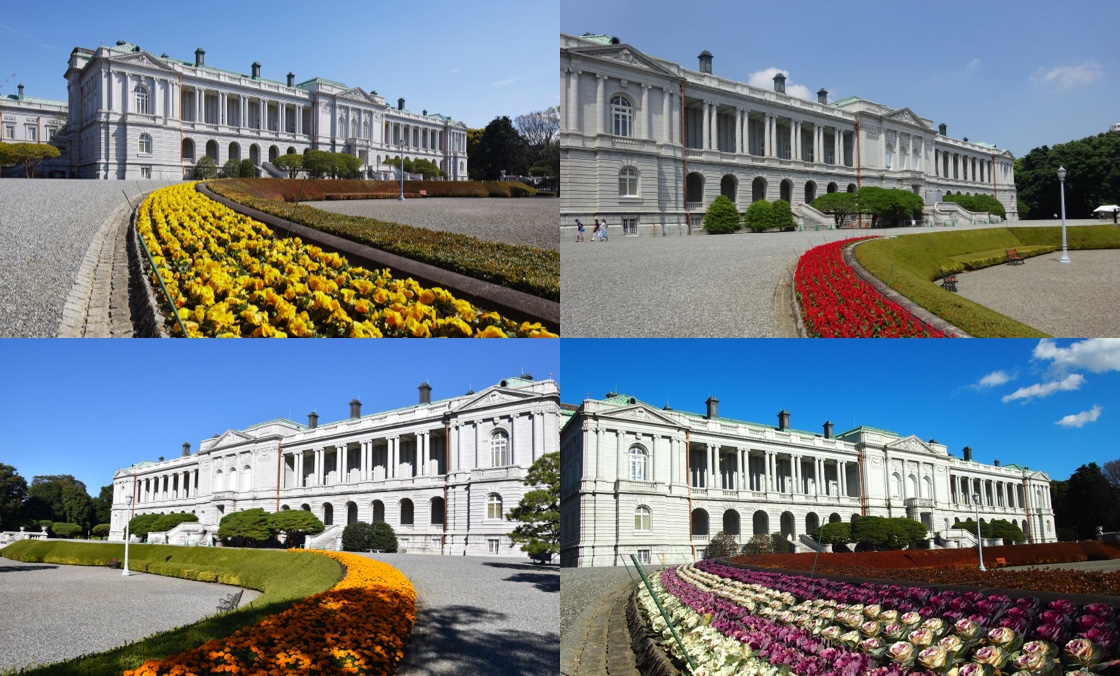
(1099, 355)
(973, 65)
(993, 379)
(1073, 381)
(1070, 76)
(1080, 419)
(764, 79)
(502, 83)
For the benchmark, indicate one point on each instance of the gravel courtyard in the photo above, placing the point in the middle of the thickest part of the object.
(46, 226)
(482, 615)
(52, 613)
(521, 220)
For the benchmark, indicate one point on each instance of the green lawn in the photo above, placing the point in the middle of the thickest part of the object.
(911, 264)
(282, 577)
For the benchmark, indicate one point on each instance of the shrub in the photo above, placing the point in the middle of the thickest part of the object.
(979, 204)
(248, 169)
(102, 529)
(250, 526)
(357, 537)
(759, 544)
(382, 537)
(66, 530)
(168, 521)
(497, 189)
(297, 523)
(780, 545)
(205, 169)
(231, 169)
(141, 525)
(722, 217)
(889, 533)
(759, 216)
(782, 216)
(834, 534)
(723, 544)
(521, 190)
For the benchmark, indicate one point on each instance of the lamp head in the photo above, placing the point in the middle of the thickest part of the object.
(1061, 173)
(976, 497)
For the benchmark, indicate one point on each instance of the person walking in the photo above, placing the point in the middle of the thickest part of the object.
(579, 231)
(595, 232)
(603, 231)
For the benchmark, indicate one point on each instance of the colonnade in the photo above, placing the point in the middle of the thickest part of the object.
(780, 472)
(381, 459)
(996, 493)
(966, 167)
(167, 486)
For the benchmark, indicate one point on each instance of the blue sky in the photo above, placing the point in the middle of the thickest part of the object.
(1016, 73)
(1050, 405)
(472, 61)
(90, 407)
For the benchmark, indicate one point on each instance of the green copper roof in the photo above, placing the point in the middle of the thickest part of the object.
(863, 428)
(600, 39)
(32, 99)
(283, 421)
(323, 80)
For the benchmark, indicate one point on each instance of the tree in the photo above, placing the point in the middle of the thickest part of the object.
(539, 129)
(77, 506)
(141, 525)
(247, 169)
(782, 216)
(759, 544)
(722, 216)
(102, 529)
(1111, 471)
(357, 536)
(296, 523)
(168, 521)
(500, 149)
(346, 165)
(13, 493)
(888, 206)
(205, 169)
(427, 168)
(539, 510)
(45, 498)
(779, 544)
(103, 505)
(1092, 179)
(978, 204)
(231, 169)
(838, 533)
(291, 163)
(7, 157)
(723, 544)
(250, 525)
(31, 154)
(382, 537)
(840, 204)
(891, 533)
(759, 216)
(66, 530)
(1090, 501)
(474, 139)
(318, 163)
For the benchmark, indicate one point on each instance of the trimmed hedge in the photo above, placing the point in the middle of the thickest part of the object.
(986, 259)
(286, 189)
(525, 268)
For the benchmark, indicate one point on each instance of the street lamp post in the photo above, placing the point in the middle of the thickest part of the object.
(979, 540)
(400, 143)
(126, 571)
(1062, 182)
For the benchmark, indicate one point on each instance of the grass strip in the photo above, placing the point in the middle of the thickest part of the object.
(283, 578)
(525, 268)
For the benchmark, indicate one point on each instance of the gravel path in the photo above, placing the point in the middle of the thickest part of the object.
(1098, 566)
(50, 613)
(690, 287)
(482, 615)
(46, 227)
(580, 588)
(522, 220)
(1074, 300)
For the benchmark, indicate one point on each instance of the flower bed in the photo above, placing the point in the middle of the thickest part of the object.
(230, 277)
(835, 303)
(360, 626)
(736, 620)
(525, 268)
(1014, 555)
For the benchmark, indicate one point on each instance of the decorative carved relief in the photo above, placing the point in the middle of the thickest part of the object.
(624, 56)
(872, 132)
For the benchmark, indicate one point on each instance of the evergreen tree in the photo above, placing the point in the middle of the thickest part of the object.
(13, 493)
(539, 510)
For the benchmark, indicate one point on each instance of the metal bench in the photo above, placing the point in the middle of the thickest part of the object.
(229, 602)
(948, 280)
(1014, 258)
(1001, 562)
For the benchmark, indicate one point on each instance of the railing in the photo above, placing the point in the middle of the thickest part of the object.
(694, 206)
(625, 141)
(919, 502)
(694, 152)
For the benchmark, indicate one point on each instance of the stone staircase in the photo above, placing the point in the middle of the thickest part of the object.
(330, 538)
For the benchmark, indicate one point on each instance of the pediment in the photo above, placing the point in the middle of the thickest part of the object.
(141, 59)
(642, 414)
(624, 54)
(356, 94)
(494, 396)
(231, 438)
(911, 444)
(907, 116)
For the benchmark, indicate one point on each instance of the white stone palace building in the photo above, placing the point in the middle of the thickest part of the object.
(649, 144)
(29, 119)
(658, 483)
(136, 115)
(442, 473)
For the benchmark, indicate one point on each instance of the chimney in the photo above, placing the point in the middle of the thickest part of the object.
(968, 454)
(780, 83)
(425, 393)
(161, 458)
(713, 408)
(828, 429)
(996, 462)
(822, 96)
(705, 61)
(941, 128)
(965, 139)
(425, 112)
(200, 57)
(355, 408)
(21, 91)
(783, 420)
(186, 449)
(400, 104)
(256, 70)
(291, 79)
(312, 420)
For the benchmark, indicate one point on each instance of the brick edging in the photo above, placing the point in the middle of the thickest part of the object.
(514, 304)
(76, 307)
(650, 659)
(148, 320)
(910, 306)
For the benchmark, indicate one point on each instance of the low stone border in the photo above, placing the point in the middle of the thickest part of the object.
(650, 659)
(912, 307)
(514, 304)
(798, 316)
(148, 320)
(76, 309)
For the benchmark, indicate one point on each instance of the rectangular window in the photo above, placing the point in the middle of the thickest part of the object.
(643, 556)
(9, 131)
(435, 543)
(30, 133)
(492, 545)
(630, 226)
(145, 172)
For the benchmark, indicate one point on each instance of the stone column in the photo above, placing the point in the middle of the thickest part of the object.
(394, 449)
(426, 452)
(646, 116)
(600, 105)
(666, 116)
(738, 148)
(343, 461)
(842, 477)
(706, 123)
(746, 131)
(769, 470)
(319, 453)
(714, 141)
(743, 482)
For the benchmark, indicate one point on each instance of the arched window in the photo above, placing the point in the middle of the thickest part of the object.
(699, 522)
(641, 518)
(378, 511)
(911, 486)
(927, 487)
(218, 486)
(499, 449)
(141, 98)
(406, 512)
(246, 478)
(493, 506)
(341, 126)
(889, 157)
(622, 115)
(896, 486)
(437, 512)
(351, 513)
(628, 182)
(637, 463)
(145, 147)
(328, 514)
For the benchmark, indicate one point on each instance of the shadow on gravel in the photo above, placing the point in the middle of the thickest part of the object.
(460, 642)
(546, 582)
(21, 569)
(522, 566)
